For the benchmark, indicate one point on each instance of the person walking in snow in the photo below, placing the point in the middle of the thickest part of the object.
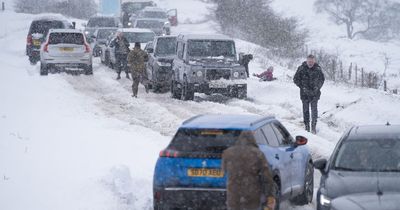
(121, 45)
(137, 59)
(250, 184)
(309, 78)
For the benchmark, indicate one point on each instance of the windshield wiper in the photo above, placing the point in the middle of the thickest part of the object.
(344, 169)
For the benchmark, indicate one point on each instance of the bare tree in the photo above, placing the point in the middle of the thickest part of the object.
(367, 18)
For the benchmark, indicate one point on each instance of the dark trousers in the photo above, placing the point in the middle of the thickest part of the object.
(121, 63)
(246, 66)
(314, 110)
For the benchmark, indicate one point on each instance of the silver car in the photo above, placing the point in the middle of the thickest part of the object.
(159, 26)
(65, 48)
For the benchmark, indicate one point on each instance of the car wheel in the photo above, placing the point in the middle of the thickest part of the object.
(88, 70)
(33, 60)
(175, 91)
(308, 191)
(44, 70)
(187, 92)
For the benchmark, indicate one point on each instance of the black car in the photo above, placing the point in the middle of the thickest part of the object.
(159, 67)
(37, 34)
(367, 201)
(366, 160)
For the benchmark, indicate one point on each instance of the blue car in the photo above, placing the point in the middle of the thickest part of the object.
(188, 173)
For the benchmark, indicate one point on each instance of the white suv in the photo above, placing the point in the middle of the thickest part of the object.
(65, 48)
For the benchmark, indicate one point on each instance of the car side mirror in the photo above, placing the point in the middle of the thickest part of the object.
(321, 165)
(300, 141)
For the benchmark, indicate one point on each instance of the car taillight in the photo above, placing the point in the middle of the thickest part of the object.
(169, 154)
(46, 47)
(29, 40)
(87, 48)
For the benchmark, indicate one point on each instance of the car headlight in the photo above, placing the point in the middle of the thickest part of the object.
(325, 201)
(86, 32)
(236, 74)
(129, 24)
(199, 73)
(166, 64)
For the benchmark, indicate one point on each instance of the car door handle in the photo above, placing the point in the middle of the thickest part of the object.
(277, 156)
(291, 155)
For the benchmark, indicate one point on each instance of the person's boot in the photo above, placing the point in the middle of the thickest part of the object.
(314, 127)
(307, 126)
(146, 87)
(119, 76)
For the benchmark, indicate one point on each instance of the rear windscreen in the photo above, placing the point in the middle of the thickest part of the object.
(102, 22)
(43, 27)
(149, 24)
(66, 38)
(200, 140)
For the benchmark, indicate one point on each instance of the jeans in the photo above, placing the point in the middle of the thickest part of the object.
(121, 63)
(314, 110)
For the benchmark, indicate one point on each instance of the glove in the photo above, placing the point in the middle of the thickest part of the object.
(271, 202)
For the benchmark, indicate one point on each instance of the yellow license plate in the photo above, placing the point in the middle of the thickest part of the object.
(36, 42)
(204, 172)
(66, 49)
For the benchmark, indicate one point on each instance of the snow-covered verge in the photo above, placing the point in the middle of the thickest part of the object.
(326, 35)
(81, 142)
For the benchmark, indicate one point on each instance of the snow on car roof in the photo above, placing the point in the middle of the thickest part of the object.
(375, 131)
(153, 9)
(204, 37)
(226, 122)
(136, 30)
(151, 19)
(65, 31)
(51, 17)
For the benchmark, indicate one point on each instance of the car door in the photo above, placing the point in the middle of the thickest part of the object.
(297, 166)
(276, 154)
(173, 16)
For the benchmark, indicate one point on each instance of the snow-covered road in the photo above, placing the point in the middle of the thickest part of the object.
(68, 142)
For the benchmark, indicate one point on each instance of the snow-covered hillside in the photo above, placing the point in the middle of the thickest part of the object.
(326, 35)
(81, 142)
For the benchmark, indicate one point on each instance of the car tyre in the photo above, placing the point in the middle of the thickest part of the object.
(88, 70)
(44, 70)
(187, 92)
(175, 91)
(307, 195)
(33, 60)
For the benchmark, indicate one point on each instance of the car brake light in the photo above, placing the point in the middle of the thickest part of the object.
(169, 154)
(87, 48)
(46, 47)
(29, 40)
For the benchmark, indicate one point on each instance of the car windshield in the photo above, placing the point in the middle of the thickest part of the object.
(105, 33)
(43, 27)
(201, 140)
(142, 37)
(66, 38)
(149, 24)
(369, 155)
(154, 14)
(211, 48)
(166, 46)
(102, 22)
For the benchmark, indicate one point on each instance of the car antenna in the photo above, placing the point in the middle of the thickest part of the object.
(388, 123)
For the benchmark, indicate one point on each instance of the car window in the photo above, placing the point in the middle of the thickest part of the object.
(142, 37)
(166, 46)
(180, 50)
(204, 140)
(260, 138)
(149, 24)
(66, 38)
(211, 48)
(154, 14)
(43, 27)
(270, 135)
(104, 33)
(102, 22)
(283, 136)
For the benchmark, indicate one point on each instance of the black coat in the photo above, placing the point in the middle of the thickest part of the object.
(115, 43)
(310, 81)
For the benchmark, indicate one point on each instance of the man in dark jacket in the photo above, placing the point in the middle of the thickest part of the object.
(309, 78)
(245, 60)
(121, 45)
(250, 182)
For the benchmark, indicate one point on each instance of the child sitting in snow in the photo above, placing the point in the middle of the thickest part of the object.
(266, 75)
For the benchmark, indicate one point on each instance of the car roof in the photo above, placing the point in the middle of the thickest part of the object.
(227, 122)
(103, 16)
(50, 18)
(153, 9)
(367, 132)
(153, 19)
(166, 36)
(204, 37)
(135, 30)
(65, 31)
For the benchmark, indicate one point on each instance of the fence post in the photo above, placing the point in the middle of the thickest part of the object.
(334, 70)
(356, 75)
(341, 70)
(362, 77)
(385, 85)
(350, 69)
